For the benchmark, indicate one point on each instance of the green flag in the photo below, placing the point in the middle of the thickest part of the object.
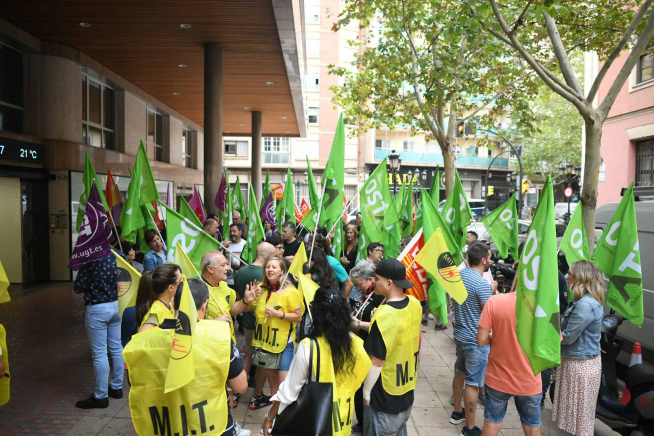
(457, 213)
(133, 217)
(226, 215)
(266, 190)
(255, 230)
(574, 243)
(375, 214)
(406, 213)
(418, 219)
(146, 211)
(285, 209)
(432, 220)
(186, 211)
(502, 226)
(392, 234)
(88, 179)
(238, 202)
(537, 307)
(337, 242)
(435, 190)
(618, 255)
(194, 241)
(309, 221)
(334, 178)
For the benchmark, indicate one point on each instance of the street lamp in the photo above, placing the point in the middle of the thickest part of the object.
(394, 162)
(306, 177)
(572, 175)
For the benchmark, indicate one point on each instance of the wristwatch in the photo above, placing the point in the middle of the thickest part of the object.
(268, 418)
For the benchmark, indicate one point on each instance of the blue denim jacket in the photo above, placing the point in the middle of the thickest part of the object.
(581, 327)
(151, 260)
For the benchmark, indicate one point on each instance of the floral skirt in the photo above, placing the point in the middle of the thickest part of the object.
(575, 394)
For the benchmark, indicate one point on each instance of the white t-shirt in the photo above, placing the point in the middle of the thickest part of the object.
(236, 248)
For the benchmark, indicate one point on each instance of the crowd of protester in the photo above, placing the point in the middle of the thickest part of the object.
(361, 319)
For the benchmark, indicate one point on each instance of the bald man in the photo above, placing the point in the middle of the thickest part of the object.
(244, 276)
(211, 227)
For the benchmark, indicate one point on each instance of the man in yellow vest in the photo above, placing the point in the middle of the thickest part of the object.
(201, 406)
(393, 345)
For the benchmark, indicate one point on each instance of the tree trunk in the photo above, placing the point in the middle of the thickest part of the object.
(448, 160)
(593, 160)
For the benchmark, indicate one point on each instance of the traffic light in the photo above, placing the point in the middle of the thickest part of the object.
(525, 186)
(491, 190)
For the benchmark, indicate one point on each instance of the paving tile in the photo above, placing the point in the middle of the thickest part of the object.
(89, 425)
(118, 426)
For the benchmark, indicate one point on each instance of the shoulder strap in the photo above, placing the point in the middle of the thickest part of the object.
(310, 361)
(311, 373)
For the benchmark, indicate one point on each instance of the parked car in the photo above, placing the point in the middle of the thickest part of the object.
(560, 209)
(628, 331)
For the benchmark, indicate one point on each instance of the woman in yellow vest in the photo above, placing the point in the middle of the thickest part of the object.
(155, 295)
(276, 311)
(343, 362)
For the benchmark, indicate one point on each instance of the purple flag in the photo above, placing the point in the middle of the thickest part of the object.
(94, 235)
(169, 199)
(221, 195)
(267, 213)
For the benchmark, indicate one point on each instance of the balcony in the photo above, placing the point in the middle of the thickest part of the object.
(437, 158)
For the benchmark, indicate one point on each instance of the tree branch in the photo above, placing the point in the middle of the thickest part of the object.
(518, 21)
(617, 50)
(561, 55)
(625, 71)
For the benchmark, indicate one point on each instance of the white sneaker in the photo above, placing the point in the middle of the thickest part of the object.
(238, 431)
(431, 316)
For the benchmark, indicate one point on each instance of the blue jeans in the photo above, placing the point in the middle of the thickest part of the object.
(287, 357)
(128, 326)
(103, 328)
(376, 423)
(471, 360)
(528, 407)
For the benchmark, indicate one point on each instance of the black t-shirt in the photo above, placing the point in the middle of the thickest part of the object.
(290, 248)
(379, 398)
(366, 314)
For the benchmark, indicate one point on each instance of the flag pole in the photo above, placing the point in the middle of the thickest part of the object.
(318, 219)
(113, 223)
(163, 243)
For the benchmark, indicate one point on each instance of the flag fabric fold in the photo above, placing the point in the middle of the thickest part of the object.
(186, 211)
(267, 212)
(94, 235)
(128, 284)
(574, 243)
(221, 196)
(618, 255)
(181, 366)
(238, 203)
(457, 213)
(255, 232)
(266, 190)
(89, 178)
(113, 198)
(286, 208)
(196, 205)
(502, 226)
(415, 273)
(334, 178)
(538, 326)
(434, 190)
(310, 220)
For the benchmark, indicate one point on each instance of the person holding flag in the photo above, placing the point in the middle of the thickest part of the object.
(199, 405)
(156, 255)
(97, 280)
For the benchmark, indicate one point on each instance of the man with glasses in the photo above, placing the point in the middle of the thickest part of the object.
(375, 253)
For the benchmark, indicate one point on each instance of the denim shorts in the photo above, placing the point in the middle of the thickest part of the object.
(471, 360)
(495, 407)
(287, 357)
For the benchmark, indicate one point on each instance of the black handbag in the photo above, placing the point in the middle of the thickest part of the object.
(311, 413)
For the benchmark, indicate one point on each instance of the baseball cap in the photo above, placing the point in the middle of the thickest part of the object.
(394, 270)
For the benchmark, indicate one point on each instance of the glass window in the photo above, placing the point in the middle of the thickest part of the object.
(313, 113)
(313, 79)
(98, 114)
(645, 67)
(457, 151)
(276, 150)
(155, 134)
(645, 163)
(187, 149)
(312, 10)
(408, 145)
(350, 192)
(313, 45)
(433, 147)
(11, 90)
(236, 148)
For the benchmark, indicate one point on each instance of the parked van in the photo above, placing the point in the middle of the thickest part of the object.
(627, 331)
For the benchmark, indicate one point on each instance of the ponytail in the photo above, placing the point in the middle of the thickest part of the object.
(152, 284)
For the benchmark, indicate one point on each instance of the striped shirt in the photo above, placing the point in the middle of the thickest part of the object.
(467, 314)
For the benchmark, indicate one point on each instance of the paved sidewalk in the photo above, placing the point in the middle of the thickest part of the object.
(51, 369)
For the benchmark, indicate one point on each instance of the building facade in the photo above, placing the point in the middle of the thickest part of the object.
(628, 132)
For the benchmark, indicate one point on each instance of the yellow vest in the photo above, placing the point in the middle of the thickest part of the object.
(345, 386)
(400, 330)
(226, 298)
(271, 333)
(200, 407)
(159, 310)
(4, 381)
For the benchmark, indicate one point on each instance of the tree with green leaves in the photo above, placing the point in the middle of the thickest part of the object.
(544, 33)
(429, 66)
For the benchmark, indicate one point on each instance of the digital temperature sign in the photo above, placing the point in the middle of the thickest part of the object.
(21, 151)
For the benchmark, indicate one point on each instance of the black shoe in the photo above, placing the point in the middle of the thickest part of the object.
(116, 393)
(259, 402)
(93, 403)
(474, 431)
(458, 417)
(250, 382)
(236, 398)
(357, 428)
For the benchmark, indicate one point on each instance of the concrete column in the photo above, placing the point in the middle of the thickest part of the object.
(213, 122)
(256, 155)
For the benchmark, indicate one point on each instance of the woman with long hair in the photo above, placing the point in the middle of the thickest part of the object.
(321, 271)
(578, 377)
(343, 360)
(154, 298)
(349, 256)
(267, 228)
(278, 306)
